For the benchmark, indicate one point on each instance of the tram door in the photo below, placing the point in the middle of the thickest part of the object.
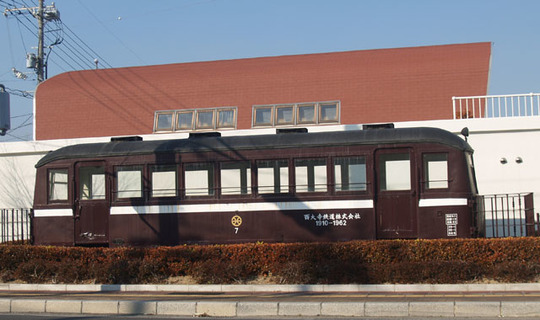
(396, 195)
(91, 212)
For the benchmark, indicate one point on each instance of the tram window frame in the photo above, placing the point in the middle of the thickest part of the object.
(429, 168)
(210, 176)
(311, 185)
(391, 178)
(346, 161)
(228, 174)
(280, 178)
(166, 192)
(50, 187)
(91, 188)
(135, 193)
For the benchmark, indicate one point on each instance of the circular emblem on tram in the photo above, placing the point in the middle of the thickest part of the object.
(236, 221)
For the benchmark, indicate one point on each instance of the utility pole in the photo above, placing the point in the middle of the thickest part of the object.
(43, 14)
(40, 67)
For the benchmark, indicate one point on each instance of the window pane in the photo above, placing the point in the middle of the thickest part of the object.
(235, 178)
(436, 170)
(91, 183)
(263, 116)
(199, 179)
(205, 119)
(273, 176)
(164, 121)
(129, 182)
(395, 172)
(226, 118)
(306, 114)
(58, 185)
(284, 115)
(350, 174)
(164, 181)
(329, 112)
(310, 175)
(184, 120)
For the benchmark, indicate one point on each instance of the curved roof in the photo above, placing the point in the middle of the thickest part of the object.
(258, 142)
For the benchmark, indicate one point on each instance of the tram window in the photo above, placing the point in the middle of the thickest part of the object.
(91, 183)
(58, 185)
(350, 174)
(395, 172)
(284, 115)
(129, 182)
(273, 176)
(163, 181)
(306, 113)
(310, 175)
(436, 170)
(235, 178)
(199, 179)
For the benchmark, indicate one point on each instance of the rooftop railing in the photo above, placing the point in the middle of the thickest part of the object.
(497, 106)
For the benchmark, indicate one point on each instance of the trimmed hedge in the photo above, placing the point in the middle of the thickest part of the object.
(381, 261)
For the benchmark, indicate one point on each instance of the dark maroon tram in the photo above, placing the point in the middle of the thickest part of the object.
(286, 187)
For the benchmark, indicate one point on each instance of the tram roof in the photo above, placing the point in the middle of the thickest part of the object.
(258, 142)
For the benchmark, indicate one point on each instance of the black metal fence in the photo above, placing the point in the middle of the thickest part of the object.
(15, 225)
(509, 215)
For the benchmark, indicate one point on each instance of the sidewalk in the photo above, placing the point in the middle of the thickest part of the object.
(420, 300)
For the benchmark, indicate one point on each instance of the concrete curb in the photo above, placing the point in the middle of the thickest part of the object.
(294, 309)
(396, 288)
(411, 309)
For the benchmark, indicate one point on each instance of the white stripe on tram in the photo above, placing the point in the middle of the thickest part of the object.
(41, 213)
(441, 202)
(244, 207)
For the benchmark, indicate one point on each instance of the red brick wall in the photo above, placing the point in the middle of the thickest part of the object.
(383, 85)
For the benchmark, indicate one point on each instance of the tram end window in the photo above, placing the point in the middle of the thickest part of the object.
(199, 179)
(58, 185)
(273, 176)
(235, 178)
(129, 182)
(164, 181)
(310, 175)
(436, 170)
(350, 174)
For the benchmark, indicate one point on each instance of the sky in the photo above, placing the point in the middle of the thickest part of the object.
(124, 33)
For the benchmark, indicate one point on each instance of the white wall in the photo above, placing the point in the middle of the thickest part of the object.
(492, 139)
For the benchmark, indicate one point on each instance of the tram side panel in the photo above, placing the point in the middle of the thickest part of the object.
(445, 209)
(52, 222)
(177, 227)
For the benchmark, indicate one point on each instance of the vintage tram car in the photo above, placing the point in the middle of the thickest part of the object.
(285, 187)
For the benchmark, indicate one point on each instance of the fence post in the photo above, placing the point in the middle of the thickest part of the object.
(529, 215)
